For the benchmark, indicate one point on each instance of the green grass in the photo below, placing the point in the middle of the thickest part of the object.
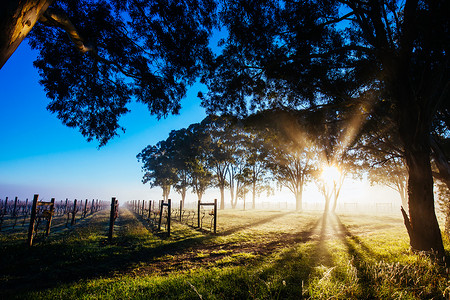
(255, 255)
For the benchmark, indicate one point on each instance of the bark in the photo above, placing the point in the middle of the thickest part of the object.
(183, 197)
(333, 208)
(423, 227)
(441, 162)
(17, 18)
(254, 194)
(299, 199)
(222, 197)
(327, 204)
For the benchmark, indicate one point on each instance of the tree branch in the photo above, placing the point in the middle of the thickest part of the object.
(55, 18)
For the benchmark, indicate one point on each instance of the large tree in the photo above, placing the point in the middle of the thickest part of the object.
(309, 53)
(94, 57)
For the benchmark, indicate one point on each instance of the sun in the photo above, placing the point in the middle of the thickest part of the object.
(330, 174)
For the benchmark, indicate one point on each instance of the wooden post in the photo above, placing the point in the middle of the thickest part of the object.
(149, 208)
(74, 211)
(14, 213)
(32, 221)
(215, 215)
(15, 206)
(161, 202)
(169, 214)
(198, 214)
(65, 207)
(181, 209)
(49, 221)
(85, 207)
(92, 207)
(143, 207)
(112, 218)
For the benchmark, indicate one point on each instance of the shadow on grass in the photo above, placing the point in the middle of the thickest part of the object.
(254, 224)
(82, 253)
(358, 250)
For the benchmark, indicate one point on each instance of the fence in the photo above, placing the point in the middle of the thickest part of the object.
(157, 215)
(55, 215)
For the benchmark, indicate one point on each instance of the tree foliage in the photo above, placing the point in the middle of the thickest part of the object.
(96, 56)
(301, 54)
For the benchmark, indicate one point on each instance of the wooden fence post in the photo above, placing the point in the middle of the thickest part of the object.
(49, 221)
(149, 208)
(32, 220)
(112, 217)
(65, 206)
(215, 215)
(15, 206)
(14, 214)
(161, 202)
(198, 214)
(74, 211)
(181, 208)
(85, 207)
(169, 215)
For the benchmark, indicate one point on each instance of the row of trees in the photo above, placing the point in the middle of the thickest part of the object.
(230, 153)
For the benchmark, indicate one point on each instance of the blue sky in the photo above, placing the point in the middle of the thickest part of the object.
(40, 155)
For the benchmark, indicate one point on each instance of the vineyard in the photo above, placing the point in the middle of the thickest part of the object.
(42, 217)
(278, 254)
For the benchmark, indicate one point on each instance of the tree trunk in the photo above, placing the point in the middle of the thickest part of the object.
(233, 204)
(254, 195)
(422, 225)
(299, 199)
(17, 18)
(333, 208)
(327, 203)
(183, 197)
(222, 197)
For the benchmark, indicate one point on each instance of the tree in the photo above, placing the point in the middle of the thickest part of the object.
(219, 151)
(310, 53)
(392, 174)
(201, 177)
(179, 149)
(257, 161)
(96, 56)
(290, 151)
(158, 167)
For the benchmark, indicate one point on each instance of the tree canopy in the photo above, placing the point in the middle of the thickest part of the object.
(97, 56)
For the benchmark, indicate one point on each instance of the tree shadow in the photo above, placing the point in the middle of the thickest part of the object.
(254, 224)
(357, 253)
(61, 261)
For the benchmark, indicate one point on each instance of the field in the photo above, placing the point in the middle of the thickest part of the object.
(255, 255)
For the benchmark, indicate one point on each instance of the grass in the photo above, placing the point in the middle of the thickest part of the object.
(255, 255)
